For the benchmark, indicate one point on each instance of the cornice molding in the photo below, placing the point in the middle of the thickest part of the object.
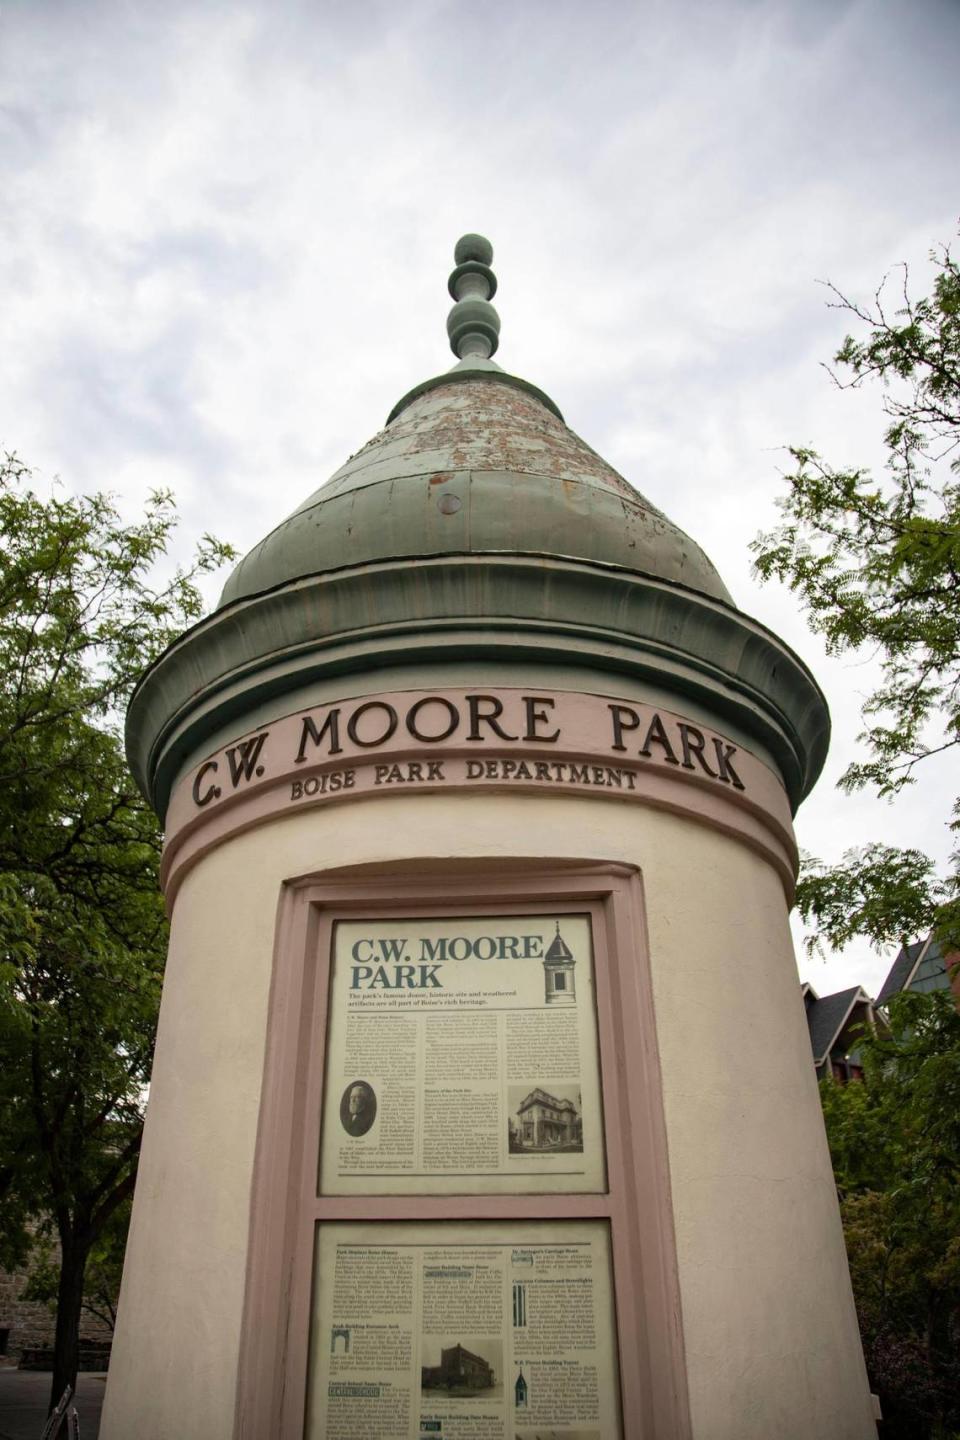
(518, 608)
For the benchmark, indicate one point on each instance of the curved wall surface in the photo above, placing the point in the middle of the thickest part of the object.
(768, 1323)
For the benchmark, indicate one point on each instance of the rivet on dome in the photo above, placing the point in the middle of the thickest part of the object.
(473, 325)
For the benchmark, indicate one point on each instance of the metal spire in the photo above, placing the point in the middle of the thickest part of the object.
(473, 324)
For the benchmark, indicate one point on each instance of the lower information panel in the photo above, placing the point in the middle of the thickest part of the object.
(489, 1330)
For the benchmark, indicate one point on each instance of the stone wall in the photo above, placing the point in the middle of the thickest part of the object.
(30, 1323)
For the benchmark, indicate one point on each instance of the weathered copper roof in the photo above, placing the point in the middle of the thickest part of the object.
(475, 466)
(474, 461)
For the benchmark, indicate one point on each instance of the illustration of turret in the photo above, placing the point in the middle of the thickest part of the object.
(558, 966)
(520, 1391)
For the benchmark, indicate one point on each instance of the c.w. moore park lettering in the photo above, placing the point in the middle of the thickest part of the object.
(456, 723)
(430, 742)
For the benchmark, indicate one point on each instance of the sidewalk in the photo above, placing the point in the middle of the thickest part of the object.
(25, 1395)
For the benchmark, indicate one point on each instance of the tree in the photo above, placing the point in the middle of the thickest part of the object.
(82, 928)
(101, 1281)
(895, 1144)
(876, 563)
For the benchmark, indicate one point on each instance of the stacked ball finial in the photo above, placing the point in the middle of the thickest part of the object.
(473, 324)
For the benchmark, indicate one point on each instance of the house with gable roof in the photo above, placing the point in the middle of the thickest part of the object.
(835, 1023)
(922, 967)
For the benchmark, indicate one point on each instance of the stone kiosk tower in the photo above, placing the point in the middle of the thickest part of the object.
(475, 692)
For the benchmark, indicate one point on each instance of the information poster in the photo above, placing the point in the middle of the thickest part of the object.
(484, 1331)
(462, 1058)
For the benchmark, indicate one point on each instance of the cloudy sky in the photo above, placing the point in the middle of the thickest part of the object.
(227, 230)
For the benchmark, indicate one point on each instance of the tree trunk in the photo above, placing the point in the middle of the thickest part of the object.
(66, 1342)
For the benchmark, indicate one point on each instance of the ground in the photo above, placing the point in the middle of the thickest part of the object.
(25, 1394)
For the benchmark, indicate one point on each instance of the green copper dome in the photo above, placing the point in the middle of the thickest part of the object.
(477, 465)
(475, 533)
(473, 462)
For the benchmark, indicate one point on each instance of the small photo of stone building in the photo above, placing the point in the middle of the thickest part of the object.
(543, 1121)
(465, 1370)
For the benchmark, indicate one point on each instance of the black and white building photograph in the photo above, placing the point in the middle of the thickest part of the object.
(545, 1119)
(467, 1368)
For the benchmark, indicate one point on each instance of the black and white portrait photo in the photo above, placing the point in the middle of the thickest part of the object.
(358, 1108)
